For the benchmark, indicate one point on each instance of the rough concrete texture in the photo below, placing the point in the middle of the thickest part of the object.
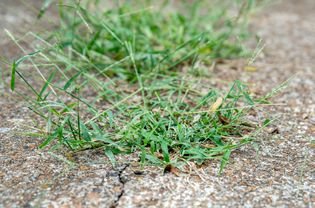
(278, 171)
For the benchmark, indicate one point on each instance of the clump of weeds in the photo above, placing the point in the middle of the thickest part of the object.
(125, 78)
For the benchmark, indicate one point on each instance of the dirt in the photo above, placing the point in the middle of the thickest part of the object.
(278, 170)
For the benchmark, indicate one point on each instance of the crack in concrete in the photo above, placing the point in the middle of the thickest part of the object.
(123, 181)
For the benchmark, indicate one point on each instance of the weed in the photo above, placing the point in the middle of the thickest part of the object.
(116, 80)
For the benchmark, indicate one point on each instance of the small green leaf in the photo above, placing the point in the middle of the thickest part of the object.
(166, 154)
(85, 132)
(153, 159)
(224, 160)
(50, 78)
(57, 133)
(72, 79)
(109, 153)
(16, 64)
(13, 76)
(267, 122)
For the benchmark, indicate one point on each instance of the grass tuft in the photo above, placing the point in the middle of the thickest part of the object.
(127, 80)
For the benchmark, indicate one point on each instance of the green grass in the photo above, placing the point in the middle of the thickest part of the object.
(136, 79)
